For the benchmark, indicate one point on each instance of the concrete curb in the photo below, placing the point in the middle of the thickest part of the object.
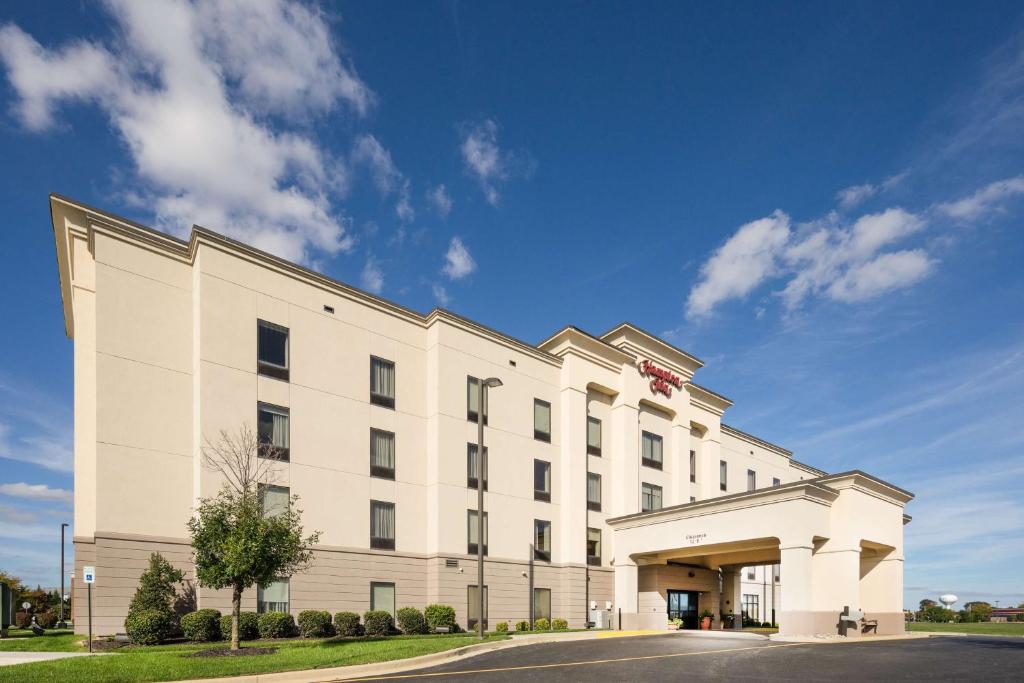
(724, 634)
(346, 673)
(840, 640)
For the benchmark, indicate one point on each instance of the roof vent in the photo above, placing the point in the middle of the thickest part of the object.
(450, 562)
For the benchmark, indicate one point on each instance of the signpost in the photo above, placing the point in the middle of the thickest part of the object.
(89, 576)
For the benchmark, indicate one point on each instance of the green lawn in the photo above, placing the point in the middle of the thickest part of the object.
(22, 640)
(171, 662)
(988, 628)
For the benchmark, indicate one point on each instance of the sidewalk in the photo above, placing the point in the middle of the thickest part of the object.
(7, 658)
(346, 673)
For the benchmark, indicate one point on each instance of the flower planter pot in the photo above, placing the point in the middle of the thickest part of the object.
(705, 624)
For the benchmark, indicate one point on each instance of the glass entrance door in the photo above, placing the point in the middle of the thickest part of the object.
(683, 605)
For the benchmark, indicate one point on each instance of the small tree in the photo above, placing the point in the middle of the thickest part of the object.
(235, 544)
(157, 586)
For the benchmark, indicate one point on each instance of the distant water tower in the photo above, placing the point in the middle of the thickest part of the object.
(947, 600)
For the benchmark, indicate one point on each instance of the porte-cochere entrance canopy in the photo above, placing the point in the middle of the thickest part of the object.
(838, 539)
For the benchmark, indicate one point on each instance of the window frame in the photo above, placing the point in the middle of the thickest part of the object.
(594, 505)
(595, 560)
(723, 475)
(260, 602)
(693, 466)
(751, 480)
(394, 595)
(471, 407)
(261, 490)
(268, 450)
(748, 600)
(470, 602)
(643, 495)
(380, 399)
(538, 494)
(776, 482)
(471, 482)
(269, 368)
(591, 449)
(471, 548)
(649, 462)
(538, 553)
(536, 614)
(537, 434)
(378, 471)
(380, 542)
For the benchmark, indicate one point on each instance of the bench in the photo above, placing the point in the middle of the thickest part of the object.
(868, 624)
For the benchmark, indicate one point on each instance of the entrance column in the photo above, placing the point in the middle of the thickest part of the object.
(732, 598)
(626, 593)
(797, 614)
(838, 567)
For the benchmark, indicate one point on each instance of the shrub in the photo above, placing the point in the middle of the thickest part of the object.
(248, 626)
(541, 624)
(378, 623)
(766, 624)
(315, 624)
(156, 586)
(47, 619)
(411, 620)
(559, 625)
(22, 619)
(276, 625)
(148, 626)
(201, 626)
(501, 627)
(347, 624)
(522, 626)
(440, 616)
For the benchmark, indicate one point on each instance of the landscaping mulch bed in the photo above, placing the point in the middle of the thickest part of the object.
(227, 652)
(105, 645)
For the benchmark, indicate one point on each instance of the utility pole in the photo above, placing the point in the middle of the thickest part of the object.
(61, 623)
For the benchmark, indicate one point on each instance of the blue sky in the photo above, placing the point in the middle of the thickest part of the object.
(823, 202)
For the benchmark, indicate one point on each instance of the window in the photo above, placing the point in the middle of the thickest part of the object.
(594, 547)
(541, 540)
(593, 436)
(471, 466)
(750, 574)
(473, 398)
(542, 603)
(775, 573)
(275, 499)
(651, 454)
(473, 600)
(751, 480)
(471, 530)
(382, 525)
(382, 454)
(382, 382)
(273, 597)
(272, 350)
(593, 491)
(650, 497)
(723, 478)
(382, 597)
(272, 431)
(693, 499)
(693, 466)
(751, 606)
(541, 420)
(775, 481)
(542, 480)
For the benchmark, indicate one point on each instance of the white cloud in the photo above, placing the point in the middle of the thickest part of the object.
(440, 200)
(827, 257)
(386, 177)
(35, 492)
(741, 264)
(51, 451)
(855, 194)
(985, 200)
(440, 294)
(457, 262)
(188, 87)
(487, 162)
(881, 274)
(372, 277)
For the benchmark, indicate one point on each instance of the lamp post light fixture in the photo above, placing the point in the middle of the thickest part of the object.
(481, 400)
(61, 623)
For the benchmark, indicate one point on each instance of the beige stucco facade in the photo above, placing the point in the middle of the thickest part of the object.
(165, 354)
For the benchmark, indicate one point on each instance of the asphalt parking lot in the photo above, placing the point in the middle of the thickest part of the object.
(673, 657)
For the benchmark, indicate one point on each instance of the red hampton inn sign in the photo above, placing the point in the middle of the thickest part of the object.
(661, 379)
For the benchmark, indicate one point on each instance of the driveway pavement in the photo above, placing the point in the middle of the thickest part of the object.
(670, 657)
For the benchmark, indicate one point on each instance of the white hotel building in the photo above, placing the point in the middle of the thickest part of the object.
(603, 454)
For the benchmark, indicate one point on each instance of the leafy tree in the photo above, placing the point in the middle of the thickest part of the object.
(236, 544)
(976, 611)
(937, 614)
(926, 603)
(156, 589)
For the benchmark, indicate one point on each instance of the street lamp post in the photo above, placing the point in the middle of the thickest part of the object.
(62, 527)
(485, 384)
